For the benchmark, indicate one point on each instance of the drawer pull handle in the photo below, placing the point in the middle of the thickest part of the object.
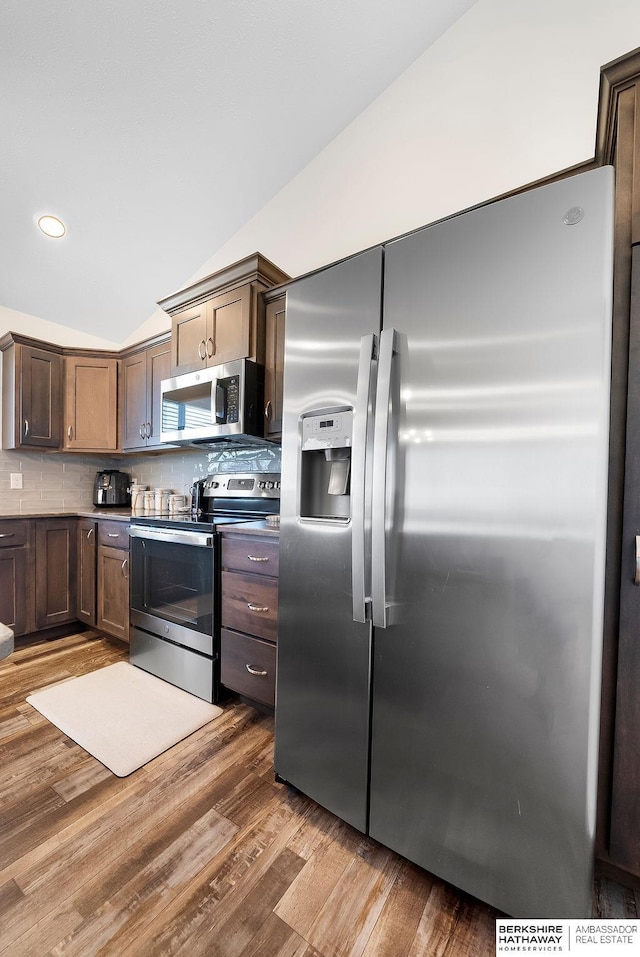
(8, 535)
(141, 430)
(253, 607)
(89, 534)
(26, 428)
(256, 671)
(123, 567)
(113, 534)
(70, 433)
(202, 349)
(257, 558)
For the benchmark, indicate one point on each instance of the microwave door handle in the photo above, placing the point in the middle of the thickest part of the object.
(219, 403)
(360, 526)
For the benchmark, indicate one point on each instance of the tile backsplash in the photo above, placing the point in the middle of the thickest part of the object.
(64, 480)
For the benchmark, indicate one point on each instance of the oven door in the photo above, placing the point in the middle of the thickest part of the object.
(173, 584)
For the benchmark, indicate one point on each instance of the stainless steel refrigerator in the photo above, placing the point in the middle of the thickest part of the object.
(442, 543)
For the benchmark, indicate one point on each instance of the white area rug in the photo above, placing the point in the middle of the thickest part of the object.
(121, 715)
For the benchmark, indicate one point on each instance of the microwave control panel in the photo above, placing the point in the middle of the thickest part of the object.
(228, 400)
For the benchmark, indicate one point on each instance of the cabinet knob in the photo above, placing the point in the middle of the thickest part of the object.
(26, 428)
(253, 607)
(202, 349)
(268, 411)
(256, 671)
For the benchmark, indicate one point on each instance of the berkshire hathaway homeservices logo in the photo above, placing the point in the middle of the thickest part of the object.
(579, 938)
(594, 937)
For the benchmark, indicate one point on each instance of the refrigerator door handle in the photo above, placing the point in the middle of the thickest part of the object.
(359, 524)
(381, 441)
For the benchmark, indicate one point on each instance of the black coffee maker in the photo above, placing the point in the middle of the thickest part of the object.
(111, 489)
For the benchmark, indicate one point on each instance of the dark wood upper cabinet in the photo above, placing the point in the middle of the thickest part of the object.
(31, 394)
(275, 315)
(91, 402)
(221, 318)
(142, 374)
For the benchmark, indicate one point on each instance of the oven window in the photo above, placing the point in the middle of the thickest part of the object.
(174, 582)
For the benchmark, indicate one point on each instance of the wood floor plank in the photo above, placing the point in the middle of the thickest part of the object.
(223, 885)
(233, 935)
(345, 923)
(303, 902)
(90, 773)
(38, 937)
(144, 896)
(395, 930)
(437, 923)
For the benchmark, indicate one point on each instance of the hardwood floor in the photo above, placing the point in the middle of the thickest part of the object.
(200, 851)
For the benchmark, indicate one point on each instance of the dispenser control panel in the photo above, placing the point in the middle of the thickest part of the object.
(331, 430)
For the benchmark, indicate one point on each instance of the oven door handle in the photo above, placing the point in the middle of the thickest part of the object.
(172, 536)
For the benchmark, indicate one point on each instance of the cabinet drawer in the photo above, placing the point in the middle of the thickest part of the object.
(250, 603)
(13, 534)
(248, 666)
(249, 554)
(113, 534)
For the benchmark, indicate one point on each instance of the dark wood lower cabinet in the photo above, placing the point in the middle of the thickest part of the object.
(55, 567)
(86, 571)
(249, 615)
(14, 565)
(113, 592)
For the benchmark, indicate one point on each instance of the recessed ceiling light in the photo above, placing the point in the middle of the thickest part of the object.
(52, 226)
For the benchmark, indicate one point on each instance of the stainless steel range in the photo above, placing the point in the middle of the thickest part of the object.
(175, 579)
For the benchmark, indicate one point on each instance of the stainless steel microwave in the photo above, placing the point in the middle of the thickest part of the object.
(214, 404)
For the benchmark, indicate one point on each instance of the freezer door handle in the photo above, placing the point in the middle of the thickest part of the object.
(359, 523)
(381, 465)
(636, 580)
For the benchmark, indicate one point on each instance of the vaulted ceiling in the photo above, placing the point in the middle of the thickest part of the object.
(156, 128)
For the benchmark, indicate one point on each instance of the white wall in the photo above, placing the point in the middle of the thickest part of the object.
(508, 95)
(13, 321)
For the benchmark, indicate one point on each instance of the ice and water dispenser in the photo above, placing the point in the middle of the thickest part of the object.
(325, 465)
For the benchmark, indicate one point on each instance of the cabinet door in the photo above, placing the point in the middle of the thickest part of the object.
(91, 403)
(55, 571)
(189, 339)
(229, 326)
(113, 592)
(274, 367)
(40, 388)
(158, 368)
(13, 588)
(134, 401)
(86, 572)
